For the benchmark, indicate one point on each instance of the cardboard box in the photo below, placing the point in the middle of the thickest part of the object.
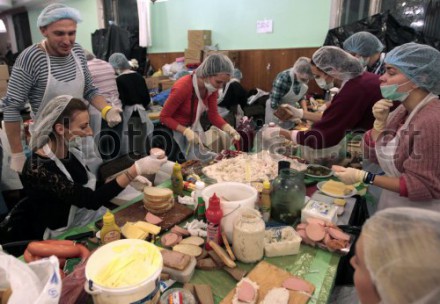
(4, 72)
(198, 39)
(153, 82)
(193, 54)
(165, 84)
(233, 55)
(3, 88)
(192, 61)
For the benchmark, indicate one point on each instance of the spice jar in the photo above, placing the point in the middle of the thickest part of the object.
(248, 236)
(288, 196)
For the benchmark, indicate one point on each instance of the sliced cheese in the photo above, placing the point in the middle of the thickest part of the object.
(148, 227)
(130, 231)
(337, 188)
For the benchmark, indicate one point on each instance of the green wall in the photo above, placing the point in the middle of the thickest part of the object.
(296, 23)
(89, 14)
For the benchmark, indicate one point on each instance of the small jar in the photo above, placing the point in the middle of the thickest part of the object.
(248, 236)
(288, 196)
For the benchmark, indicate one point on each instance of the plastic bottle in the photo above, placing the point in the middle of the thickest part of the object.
(214, 216)
(200, 207)
(109, 231)
(177, 179)
(265, 201)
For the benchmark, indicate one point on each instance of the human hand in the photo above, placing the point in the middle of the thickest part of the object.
(288, 112)
(17, 161)
(381, 110)
(349, 176)
(191, 136)
(113, 117)
(231, 131)
(140, 182)
(149, 165)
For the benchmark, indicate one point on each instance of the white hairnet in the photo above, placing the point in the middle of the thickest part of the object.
(215, 64)
(363, 43)
(237, 74)
(419, 62)
(402, 251)
(302, 68)
(42, 127)
(119, 61)
(55, 12)
(337, 63)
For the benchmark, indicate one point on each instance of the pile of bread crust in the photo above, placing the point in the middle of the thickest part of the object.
(158, 200)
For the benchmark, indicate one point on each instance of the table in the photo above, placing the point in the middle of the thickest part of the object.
(312, 264)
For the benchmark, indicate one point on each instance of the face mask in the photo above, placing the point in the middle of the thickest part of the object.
(323, 84)
(210, 87)
(75, 142)
(364, 61)
(390, 92)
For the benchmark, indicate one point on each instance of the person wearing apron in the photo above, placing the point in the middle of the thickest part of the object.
(289, 87)
(190, 96)
(56, 178)
(368, 49)
(42, 71)
(405, 142)
(134, 95)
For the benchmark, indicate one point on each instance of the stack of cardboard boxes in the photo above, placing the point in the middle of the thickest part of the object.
(4, 76)
(197, 40)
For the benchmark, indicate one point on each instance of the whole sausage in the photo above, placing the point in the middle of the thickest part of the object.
(28, 257)
(59, 242)
(45, 249)
(84, 252)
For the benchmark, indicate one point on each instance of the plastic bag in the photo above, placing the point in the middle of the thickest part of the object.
(38, 282)
(73, 286)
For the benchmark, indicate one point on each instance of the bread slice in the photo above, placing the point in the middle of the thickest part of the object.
(278, 295)
(152, 193)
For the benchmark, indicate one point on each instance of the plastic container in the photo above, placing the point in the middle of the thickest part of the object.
(182, 276)
(214, 216)
(187, 297)
(320, 210)
(280, 241)
(144, 291)
(248, 236)
(110, 231)
(233, 196)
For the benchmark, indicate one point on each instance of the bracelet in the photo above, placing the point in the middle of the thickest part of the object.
(369, 178)
(104, 111)
(130, 178)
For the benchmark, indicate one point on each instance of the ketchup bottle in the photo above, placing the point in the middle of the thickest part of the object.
(214, 216)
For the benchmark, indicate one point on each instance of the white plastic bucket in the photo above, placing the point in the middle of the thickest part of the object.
(145, 291)
(233, 196)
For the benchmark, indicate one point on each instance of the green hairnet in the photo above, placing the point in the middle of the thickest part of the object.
(55, 12)
(337, 63)
(401, 253)
(363, 43)
(119, 61)
(215, 64)
(419, 62)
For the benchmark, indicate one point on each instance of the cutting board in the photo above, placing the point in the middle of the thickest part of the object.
(269, 276)
(137, 212)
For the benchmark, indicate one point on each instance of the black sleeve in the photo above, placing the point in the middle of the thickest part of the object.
(236, 95)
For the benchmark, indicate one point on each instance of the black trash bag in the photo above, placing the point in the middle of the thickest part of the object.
(345, 272)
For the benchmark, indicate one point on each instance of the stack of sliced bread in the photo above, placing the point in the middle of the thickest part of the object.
(158, 200)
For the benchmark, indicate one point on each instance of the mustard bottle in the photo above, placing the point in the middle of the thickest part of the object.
(177, 179)
(265, 201)
(109, 231)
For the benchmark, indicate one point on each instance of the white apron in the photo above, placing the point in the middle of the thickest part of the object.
(74, 88)
(385, 155)
(291, 99)
(192, 151)
(77, 216)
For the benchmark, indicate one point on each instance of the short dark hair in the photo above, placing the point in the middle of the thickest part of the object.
(73, 106)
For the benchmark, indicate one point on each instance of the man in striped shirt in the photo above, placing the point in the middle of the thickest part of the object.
(56, 66)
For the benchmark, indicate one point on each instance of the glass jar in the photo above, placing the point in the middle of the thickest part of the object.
(288, 196)
(248, 236)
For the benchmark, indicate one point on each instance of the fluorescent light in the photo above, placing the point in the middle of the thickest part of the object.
(2, 27)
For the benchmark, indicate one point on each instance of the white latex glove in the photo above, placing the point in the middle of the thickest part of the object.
(381, 110)
(270, 133)
(191, 136)
(294, 112)
(231, 131)
(149, 165)
(113, 117)
(349, 176)
(17, 161)
(140, 182)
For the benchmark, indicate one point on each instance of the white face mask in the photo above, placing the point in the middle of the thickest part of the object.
(75, 142)
(323, 84)
(210, 87)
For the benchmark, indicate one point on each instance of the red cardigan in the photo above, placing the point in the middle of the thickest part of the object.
(177, 109)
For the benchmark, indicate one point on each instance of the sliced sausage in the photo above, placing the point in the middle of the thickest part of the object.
(338, 234)
(312, 220)
(245, 292)
(297, 284)
(180, 230)
(305, 239)
(301, 226)
(153, 219)
(315, 232)
(170, 239)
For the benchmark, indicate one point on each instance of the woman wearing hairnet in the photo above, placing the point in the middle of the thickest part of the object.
(289, 87)
(135, 98)
(368, 49)
(349, 111)
(405, 142)
(190, 96)
(396, 260)
(56, 180)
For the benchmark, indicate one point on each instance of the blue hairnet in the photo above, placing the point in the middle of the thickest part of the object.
(119, 61)
(215, 64)
(337, 63)
(237, 74)
(363, 43)
(55, 12)
(302, 68)
(419, 62)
